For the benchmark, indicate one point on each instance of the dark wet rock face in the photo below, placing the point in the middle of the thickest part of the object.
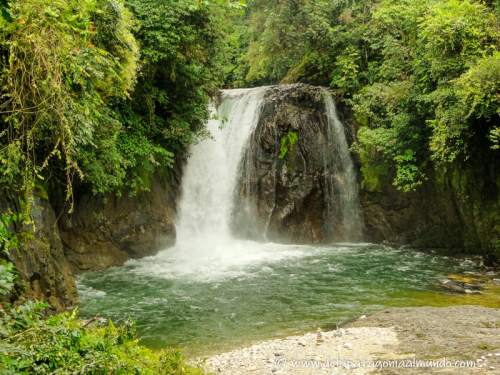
(99, 235)
(422, 218)
(43, 270)
(285, 192)
(286, 195)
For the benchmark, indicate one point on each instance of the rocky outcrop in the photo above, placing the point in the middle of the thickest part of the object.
(427, 217)
(286, 187)
(43, 270)
(456, 208)
(106, 231)
(419, 218)
(423, 218)
(284, 193)
(287, 196)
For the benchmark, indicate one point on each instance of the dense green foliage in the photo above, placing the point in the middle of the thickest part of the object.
(57, 78)
(33, 344)
(181, 57)
(105, 91)
(423, 77)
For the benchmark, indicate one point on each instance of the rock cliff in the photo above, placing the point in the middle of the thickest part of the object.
(284, 194)
(107, 231)
(287, 189)
(43, 269)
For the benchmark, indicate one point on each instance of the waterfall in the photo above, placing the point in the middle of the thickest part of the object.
(211, 175)
(341, 178)
(217, 167)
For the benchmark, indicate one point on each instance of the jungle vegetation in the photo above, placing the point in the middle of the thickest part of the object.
(99, 94)
(104, 92)
(423, 77)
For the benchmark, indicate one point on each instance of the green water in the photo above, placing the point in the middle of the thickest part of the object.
(247, 292)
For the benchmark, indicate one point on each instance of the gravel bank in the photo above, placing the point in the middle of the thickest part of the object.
(409, 335)
(455, 332)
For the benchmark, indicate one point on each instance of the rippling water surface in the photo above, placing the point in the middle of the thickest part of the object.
(244, 292)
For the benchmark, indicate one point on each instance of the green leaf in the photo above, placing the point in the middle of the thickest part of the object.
(5, 15)
(23, 363)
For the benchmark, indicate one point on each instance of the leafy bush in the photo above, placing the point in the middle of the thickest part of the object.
(7, 277)
(33, 344)
(93, 90)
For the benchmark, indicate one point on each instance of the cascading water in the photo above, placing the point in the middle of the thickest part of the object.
(342, 177)
(211, 174)
(215, 168)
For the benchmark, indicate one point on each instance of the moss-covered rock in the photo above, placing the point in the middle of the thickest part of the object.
(456, 207)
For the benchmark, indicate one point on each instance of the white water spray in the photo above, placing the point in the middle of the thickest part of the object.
(205, 250)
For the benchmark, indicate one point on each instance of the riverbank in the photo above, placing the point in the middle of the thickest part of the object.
(465, 336)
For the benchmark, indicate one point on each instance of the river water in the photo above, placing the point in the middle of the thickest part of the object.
(249, 292)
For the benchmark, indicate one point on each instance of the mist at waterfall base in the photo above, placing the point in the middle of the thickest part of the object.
(212, 292)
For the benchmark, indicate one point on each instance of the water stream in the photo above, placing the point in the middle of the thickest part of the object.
(342, 175)
(248, 292)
